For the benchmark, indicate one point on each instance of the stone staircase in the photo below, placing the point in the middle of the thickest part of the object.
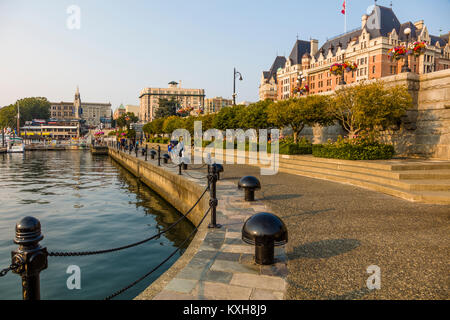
(426, 181)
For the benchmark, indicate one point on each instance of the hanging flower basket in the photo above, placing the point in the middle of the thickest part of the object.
(418, 48)
(338, 68)
(398, 53)
(303, 90)
(99, 133)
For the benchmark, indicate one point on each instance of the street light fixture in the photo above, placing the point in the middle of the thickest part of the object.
(236, 73)
(405, 67)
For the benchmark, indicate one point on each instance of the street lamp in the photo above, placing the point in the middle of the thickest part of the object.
(405, 67)
(343, 51)
(236, 73)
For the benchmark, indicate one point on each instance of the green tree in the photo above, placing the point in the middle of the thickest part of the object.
(369, 106)
(255, 116)
(126, 119)
(166, 108)
(8, 117)
(298, 113)
(228, 118)
(171, 124)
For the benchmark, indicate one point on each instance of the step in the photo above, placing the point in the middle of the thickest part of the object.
(388, 165)
(431, 197)
(408, 185)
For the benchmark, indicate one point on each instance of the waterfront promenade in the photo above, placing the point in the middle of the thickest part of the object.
(335, 232)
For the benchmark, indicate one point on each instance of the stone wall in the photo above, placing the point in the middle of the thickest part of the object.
(178, 191)
(425, 130)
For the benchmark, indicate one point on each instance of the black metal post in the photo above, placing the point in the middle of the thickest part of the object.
(343, 71)
(129, 147)
(405, 67)
(234, 86)
(136, 150)
(179, 168)
(146, 151)
(159, 156)
(31, 257)
(213, 202)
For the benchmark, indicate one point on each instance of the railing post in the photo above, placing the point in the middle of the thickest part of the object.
(146, 151)
(31, 257)
(179, 168)
(213, 202)
(129, 147)
(159, 156)
(136, 150)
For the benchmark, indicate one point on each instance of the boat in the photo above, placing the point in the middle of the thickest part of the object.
(15, 145)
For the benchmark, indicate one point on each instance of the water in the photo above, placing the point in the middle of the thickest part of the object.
(85, 202)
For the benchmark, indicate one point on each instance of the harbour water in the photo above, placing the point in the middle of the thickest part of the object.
(85, 202)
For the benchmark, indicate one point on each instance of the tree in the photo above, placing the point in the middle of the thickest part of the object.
(30, 108)
(171, 124)
(166, 108)
(298, 113)
(8, 117)
(369, 106)
(154, 127)
(255, 116)
(228, 118)
(126, 119)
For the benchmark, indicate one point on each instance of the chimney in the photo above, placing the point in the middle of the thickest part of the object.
(419, 24)
(314, 46)
(364, 20)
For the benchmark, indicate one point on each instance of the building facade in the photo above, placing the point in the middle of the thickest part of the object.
(213, 105)
(52, 130)
(92, 114)
(366, 46)
(186, 98)
(268, 86)
(119, 112)
(133, 109)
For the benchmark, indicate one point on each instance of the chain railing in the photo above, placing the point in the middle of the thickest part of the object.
(30, 258)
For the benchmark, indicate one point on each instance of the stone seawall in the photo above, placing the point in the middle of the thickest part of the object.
(178, 191)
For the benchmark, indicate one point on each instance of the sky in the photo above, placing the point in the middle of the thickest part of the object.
(123, 46)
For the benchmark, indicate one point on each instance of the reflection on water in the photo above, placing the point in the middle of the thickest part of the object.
(84, 202)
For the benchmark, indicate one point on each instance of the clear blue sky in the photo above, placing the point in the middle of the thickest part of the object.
(124, 46)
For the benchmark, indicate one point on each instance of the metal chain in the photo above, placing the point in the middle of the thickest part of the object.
(88, 253)
(159, 265)
(13, 266)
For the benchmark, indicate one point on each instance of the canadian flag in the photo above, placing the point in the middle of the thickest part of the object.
(343, 6)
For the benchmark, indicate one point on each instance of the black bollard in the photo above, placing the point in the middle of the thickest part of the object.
(213, 202)
(31, 257)
(159, 156)
(146, 151)
(179, 169)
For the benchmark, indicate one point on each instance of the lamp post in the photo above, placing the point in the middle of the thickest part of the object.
(343, 71)
(236, 73)
(405, 67)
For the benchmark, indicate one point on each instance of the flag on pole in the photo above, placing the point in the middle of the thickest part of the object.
(343, 6)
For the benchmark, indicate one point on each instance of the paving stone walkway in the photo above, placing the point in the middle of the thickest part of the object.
(223, 267)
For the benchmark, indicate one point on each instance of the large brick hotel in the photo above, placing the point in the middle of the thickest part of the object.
(367, 46)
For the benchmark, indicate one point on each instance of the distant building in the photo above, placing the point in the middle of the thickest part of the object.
(133, 109)
(367, 47)
(119, 112)
(245, 103)
(92, 114)
(51, 130)
(186, 98)
(213, 105)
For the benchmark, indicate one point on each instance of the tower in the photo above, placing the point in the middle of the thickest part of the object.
(77, 111)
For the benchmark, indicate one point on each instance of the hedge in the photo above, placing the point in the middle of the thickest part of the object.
(354, 152)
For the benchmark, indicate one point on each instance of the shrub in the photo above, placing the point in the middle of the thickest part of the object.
(360, 148)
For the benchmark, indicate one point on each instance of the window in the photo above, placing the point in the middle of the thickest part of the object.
(373, 69)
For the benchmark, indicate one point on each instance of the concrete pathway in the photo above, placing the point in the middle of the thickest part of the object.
(223, 266)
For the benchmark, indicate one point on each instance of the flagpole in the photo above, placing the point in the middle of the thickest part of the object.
(345, 24)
